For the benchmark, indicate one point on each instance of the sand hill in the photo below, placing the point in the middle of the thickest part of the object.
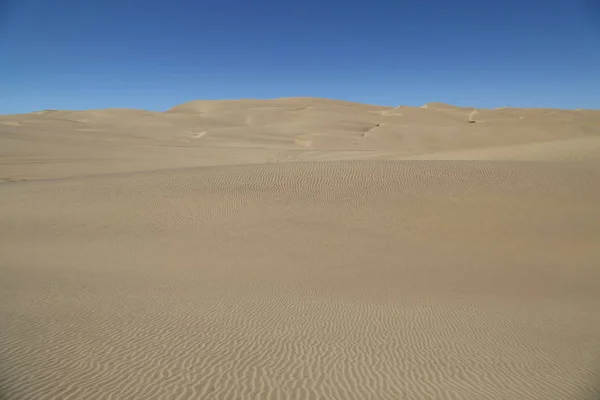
(300, 249)
(51, 144)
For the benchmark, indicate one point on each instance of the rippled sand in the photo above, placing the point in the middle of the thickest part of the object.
(150, 268)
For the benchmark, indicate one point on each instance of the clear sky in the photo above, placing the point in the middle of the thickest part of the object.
(80, 54)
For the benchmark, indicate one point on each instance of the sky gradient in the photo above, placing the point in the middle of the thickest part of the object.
(155, 54)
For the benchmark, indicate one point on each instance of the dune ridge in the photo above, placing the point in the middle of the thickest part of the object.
(300, 249)
(60, 143)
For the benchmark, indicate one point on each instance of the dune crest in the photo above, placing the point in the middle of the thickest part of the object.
(50, 144)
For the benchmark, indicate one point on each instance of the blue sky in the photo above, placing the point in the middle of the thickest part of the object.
(155, 54)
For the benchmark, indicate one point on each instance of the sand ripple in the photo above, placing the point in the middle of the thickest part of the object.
(338, 280)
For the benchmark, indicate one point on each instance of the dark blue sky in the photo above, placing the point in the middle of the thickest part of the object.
(67, 54)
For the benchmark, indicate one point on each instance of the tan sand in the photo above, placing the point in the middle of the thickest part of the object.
(289, 249)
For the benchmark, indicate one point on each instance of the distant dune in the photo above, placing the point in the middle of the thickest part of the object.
(56, 143)
(300, 248)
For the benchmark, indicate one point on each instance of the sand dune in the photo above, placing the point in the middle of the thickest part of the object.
(300, 249)
(53, 144)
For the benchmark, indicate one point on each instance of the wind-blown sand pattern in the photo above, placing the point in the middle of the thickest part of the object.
(300, 249)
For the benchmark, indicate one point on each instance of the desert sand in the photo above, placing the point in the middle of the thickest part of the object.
(300, 248)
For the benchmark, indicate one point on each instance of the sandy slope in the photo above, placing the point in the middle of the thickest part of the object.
(52, 144)
(325, 267)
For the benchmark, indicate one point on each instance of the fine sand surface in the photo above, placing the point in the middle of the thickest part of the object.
(300, 249)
